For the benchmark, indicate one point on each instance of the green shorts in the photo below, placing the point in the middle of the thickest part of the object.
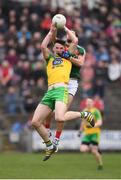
(53, 95)
(91, 139)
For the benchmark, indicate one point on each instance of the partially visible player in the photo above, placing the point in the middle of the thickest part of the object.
(77, 59)
(91, 136)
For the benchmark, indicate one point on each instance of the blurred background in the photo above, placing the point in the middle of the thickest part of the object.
(23, 81)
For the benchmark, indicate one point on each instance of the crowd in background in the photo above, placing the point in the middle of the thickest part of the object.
(22, 67)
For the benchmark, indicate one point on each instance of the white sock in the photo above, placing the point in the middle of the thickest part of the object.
(56, 141)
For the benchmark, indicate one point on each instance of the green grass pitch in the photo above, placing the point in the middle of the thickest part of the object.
(60, 166)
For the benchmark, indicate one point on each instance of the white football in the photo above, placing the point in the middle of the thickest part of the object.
(59, 20)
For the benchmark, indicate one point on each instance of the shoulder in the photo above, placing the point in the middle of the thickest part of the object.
(50, 56)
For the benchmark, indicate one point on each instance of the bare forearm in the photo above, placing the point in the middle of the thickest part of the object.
(98, 123)
(72, 36)
(54, 36)
(78, 61)
(46, 40)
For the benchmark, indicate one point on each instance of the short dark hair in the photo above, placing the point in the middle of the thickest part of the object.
(62, 42)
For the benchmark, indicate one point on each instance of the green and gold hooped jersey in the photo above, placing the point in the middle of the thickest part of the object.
(58, 69)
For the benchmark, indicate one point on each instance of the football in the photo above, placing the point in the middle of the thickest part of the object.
(59, 20)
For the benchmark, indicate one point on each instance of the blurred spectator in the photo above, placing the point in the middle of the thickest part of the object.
(35, 7)
(6, 74)
(46, 22)
(3, 27)
(100, 78)
(29, 101)
(21, 49)
(103, 54)
(30, 52)
(24, 33)
(90, 55)
(26, 71)
(36, 37)
(12, 32)
(87, 89)
(37, 53)
(83, 103)
(2, 47)
(38, 72)
(87, 72)
(34, 23)
(11, 44)
(13, 102)
(12, 17)
(84, 8)
(114, 70)
(99, 103)
(12, 57)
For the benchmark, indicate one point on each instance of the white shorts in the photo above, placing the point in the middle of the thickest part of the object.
(73, 86)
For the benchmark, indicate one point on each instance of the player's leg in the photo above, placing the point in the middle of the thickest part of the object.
(98, 156)
(84, 115)
(60, 110)
(72, 88)
(61, 101)
(60, 125)
(48, 122)
(61, 95)
(84, 148)
(95, 150)
(41, 113)
(85, 144)
(70, 115)
(39, 116)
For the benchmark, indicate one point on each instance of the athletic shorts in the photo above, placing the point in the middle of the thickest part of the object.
(91, 139)
(73, 86)
(53, 95)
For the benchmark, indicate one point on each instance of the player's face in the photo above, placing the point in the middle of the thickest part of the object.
(58, 48)
(89, 103)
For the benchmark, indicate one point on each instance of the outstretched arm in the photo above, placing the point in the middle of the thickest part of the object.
(71, 35)
(46, 41)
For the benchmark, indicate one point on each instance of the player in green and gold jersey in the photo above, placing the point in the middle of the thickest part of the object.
(91, 136)
(77, 59)
(58, 72)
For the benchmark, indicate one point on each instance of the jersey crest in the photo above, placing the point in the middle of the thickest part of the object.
(57, 62)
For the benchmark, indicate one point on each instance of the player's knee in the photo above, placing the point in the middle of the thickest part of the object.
(60, 119)
(83, 149)
(94, 150)
(35, 123)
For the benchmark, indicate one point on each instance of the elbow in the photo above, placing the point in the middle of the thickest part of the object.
(101, 123)
(76, 41)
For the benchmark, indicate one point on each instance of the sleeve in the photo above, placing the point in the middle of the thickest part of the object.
(97, 115)
(48, 58)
